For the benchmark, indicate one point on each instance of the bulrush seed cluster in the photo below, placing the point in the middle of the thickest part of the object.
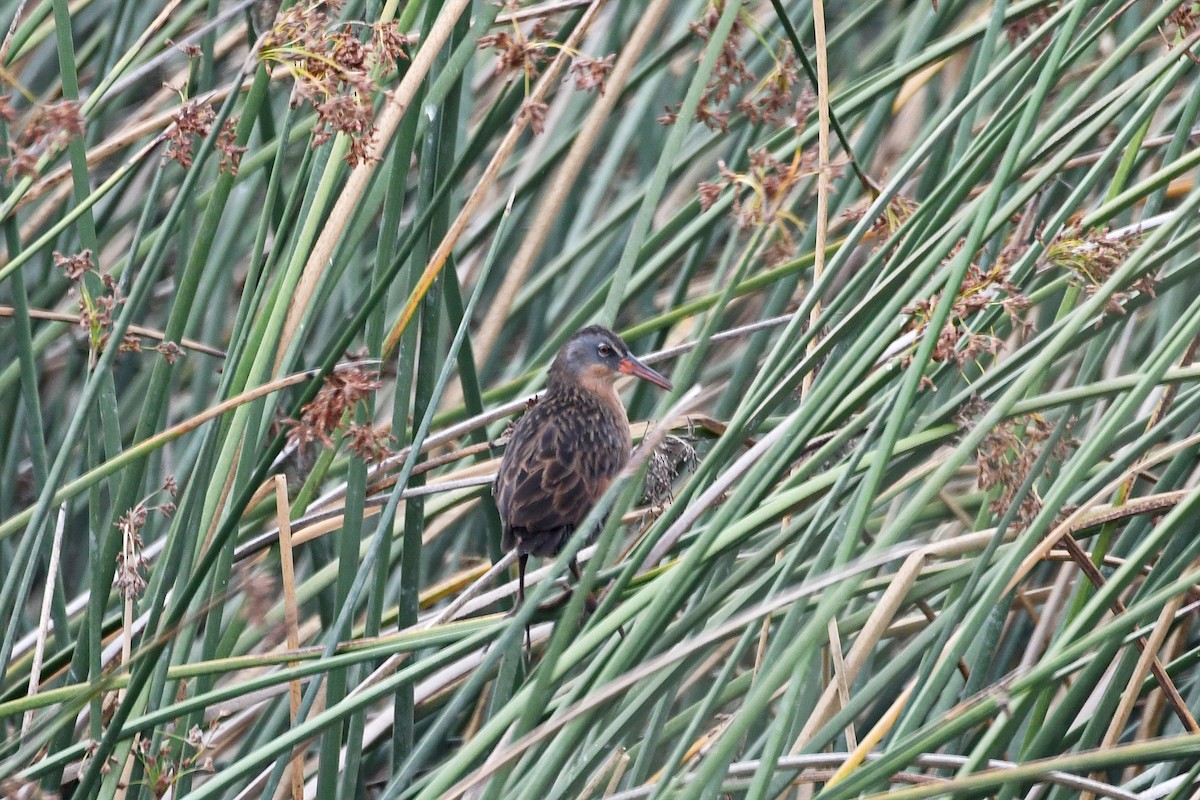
(1007, 457)
(320, 418)
(958, 342)
(524, 54)
(192, 123)
(1091, 257)
(130, 579)
(47, 130)
(336, 70)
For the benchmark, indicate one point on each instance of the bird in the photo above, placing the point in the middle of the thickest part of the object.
(567, 448)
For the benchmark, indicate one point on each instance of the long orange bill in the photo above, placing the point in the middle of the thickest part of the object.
(631, 366)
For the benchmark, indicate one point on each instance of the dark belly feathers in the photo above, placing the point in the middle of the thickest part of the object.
(561, 457)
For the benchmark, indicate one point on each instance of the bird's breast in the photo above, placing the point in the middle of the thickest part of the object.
(562, 456)
(598, 431)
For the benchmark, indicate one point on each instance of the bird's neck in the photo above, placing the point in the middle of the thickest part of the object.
(589, 387)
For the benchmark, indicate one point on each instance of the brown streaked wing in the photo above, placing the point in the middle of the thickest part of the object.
(550, 478)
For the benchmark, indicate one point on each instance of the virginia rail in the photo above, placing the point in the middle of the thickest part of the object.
(565, 450)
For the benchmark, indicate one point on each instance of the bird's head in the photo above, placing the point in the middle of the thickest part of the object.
(596, 355)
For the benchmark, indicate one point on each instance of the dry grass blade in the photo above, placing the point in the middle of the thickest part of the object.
(1147, 649)
(138, 330)
(291, 619)
(35, 670)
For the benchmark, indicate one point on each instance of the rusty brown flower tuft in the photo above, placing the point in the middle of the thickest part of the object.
(590, 73)
(174, 757)
(518, 52)
(368, 443)
(47, 130)
(321, 417)
(170, 352)
(335, 70)
(228, 148)
(769, 182)
(189, 49)
(74, 267)
(533, 114)
(130, 578)
(1021, 28)
(781, 99)
(958, 341)
(1090, 258)
(97, 312)
(729, 75)
(193, 121)
(1007, 456)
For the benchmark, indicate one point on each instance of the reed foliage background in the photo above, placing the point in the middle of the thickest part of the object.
(918, 518)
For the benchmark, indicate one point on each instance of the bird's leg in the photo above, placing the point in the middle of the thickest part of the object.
(521, 563)
(590, 603)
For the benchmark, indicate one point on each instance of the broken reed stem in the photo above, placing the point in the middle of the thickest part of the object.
(1174, 699)
(840, 677)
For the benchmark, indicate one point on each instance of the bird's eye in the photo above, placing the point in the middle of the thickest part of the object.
(604, 350)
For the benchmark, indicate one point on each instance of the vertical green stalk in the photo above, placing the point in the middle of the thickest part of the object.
(139, 292)
(437, 159)
(34, 429)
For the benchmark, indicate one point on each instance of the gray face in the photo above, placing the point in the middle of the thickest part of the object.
(598, 354)
(595, 347)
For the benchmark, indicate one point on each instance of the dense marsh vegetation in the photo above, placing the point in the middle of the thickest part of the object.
(918, 517)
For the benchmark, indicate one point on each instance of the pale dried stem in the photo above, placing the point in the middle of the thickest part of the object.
(543, 10)
(881, 618)
(1178, 704)
(715, 661)
(39, 652)
(1133, 687)
(874, 736)
(148, 333)
(129, 552)
(1046, 623)
(12, 30)
(622, 763)
(477, 713)
(1085, 509)
(822, 233)
(840, 678)
(1150, 721)
(291, 619)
